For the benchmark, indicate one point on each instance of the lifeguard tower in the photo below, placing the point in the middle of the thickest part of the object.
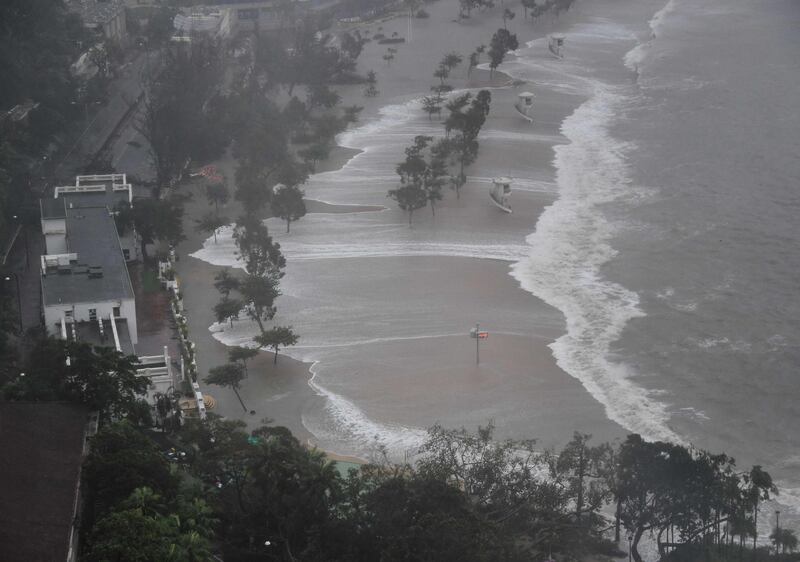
(556, 45)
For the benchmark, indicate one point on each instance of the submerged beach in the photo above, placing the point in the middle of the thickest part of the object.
(589, 290)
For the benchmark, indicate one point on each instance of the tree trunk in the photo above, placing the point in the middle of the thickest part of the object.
(275, 359)
(616, 520)
(240, 398)
(635, 545)
(579, 499)
(288, 223)
(257, 318)
(143, 245)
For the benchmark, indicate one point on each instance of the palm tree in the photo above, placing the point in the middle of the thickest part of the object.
(145, 500)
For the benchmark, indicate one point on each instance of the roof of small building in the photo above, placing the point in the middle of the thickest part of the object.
(53, 208)
(108, 190)
(42, 448)
(92, 235)
(89, 332)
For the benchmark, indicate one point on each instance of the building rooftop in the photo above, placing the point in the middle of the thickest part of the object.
(96, 190)
(91, 333)
(53, 208)
(42, 445)
(95, 270)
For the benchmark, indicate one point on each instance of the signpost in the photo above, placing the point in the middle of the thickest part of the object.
(477, 335)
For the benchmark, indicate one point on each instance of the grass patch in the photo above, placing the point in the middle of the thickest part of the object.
(150, 282)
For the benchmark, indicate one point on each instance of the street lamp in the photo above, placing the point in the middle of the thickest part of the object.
(7, 277)
(24, 237)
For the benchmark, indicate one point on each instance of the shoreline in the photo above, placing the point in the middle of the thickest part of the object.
(286, 400)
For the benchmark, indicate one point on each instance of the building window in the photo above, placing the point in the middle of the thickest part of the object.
(127, 253)
(116, 312)
(68, 314)
(92, 314)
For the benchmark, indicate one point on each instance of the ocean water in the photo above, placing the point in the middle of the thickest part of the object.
(664, 264)
(673, 247)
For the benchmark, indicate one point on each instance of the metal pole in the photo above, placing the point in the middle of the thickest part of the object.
(19, 300)
(777, 529)
(477, 344)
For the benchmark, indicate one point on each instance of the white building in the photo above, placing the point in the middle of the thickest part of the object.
(84, 275)
(87, 294)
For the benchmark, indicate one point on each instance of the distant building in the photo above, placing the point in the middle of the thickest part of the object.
(106, 17)
(43, 445)
(203, 21)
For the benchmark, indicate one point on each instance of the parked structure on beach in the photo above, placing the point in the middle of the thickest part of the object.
(500, 192)
(555, 43)
(524, 105)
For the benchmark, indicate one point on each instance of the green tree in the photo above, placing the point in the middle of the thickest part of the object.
(451, 60)
(229, 375)
(371, 90)
(228, 309)
(421, 178)
(224, 282)
(131, 535)
(210, 222)
(507, 15)
(287, 203)
(277, 337)
(100, 377)
(153, 220)
(258, 294)
(502, 42)
(257, 250)
(431, 105)
(217, 194)
(467, 116)
(242, 355)
(122, 459)
(528, 5)
(315, 152)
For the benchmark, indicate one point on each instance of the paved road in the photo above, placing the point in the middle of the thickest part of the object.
(26, 271)
(123, 91)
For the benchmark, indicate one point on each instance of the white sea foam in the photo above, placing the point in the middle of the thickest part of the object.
(355, 429)
(222, 252)
(570, 245)
(636, 56)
